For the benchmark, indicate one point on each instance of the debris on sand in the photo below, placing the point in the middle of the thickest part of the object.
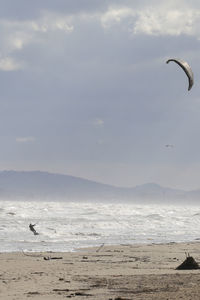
(100, 247)
(188, 264)
(48, 257)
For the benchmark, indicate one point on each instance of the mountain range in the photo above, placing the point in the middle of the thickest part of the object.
(37, 185)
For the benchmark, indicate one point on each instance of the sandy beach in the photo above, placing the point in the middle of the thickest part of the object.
(108, 272)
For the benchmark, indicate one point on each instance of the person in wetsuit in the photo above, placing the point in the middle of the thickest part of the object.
(31, 227)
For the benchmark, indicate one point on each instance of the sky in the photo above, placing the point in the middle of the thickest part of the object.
(85, 90)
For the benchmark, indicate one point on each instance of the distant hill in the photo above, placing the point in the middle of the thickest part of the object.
(17, 185)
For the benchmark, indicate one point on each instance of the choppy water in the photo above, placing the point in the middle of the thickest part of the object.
(67, 226)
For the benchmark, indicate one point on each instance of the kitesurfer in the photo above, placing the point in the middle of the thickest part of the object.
(31, 227)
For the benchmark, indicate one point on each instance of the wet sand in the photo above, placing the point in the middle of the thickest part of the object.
(111, 272)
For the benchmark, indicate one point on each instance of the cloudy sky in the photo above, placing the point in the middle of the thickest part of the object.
(85, 89)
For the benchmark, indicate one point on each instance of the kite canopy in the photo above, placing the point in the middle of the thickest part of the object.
(186, 68)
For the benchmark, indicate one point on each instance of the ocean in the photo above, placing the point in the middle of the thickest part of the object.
(67, 226)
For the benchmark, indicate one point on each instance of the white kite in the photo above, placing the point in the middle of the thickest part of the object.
(186, 68)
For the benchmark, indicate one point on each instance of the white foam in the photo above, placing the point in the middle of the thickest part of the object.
(65, 226)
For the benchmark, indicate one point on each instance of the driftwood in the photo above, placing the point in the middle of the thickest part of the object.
(100, 248)
(49, 257)
(188, 264)
(40, 255)
(32, 255)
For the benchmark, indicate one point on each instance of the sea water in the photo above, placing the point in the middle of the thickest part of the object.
(66, 226)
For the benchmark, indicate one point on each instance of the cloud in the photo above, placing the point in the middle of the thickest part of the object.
(9, 64)
(146, 19)
(172, 22)
(15, 35)
(172, 18)
(98, 122)
(115, 15)
(52, 22)
(26, 139)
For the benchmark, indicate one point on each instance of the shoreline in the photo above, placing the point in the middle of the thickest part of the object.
(99, 245)
(117, 271)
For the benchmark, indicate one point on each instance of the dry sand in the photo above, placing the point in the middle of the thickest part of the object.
(114, 272)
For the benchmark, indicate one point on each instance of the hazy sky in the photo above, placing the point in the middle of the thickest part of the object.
(85, 89)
